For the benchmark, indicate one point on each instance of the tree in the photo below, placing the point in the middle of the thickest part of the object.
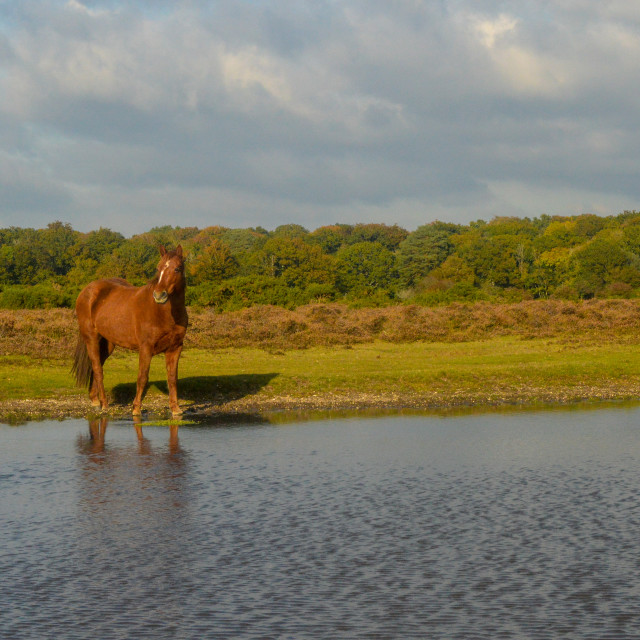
(135, 261)
(425, 249)
(294, 261)
(24, 263)
(559, 234)
(602, 261)
(213, 263)
(389, 237)
(499, 261)
(53, 252)
(90, 251)
(550, 270)
(453, 270)
(241, 241)
(97, 244)
(330, 238)
(290, 231)
(172, 236)
(365, 267)
(512, 226)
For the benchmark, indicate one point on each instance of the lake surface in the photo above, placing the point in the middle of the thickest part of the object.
(521, 525)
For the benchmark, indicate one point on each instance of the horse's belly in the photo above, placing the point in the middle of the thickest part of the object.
(115, 320)
(117, 329)
(170, 340)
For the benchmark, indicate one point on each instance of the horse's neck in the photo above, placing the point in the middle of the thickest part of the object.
(178, 296)
(176, 303)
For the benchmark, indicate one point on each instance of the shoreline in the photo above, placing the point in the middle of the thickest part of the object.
(263, 406)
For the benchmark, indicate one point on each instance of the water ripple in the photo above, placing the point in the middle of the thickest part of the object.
(518, 527)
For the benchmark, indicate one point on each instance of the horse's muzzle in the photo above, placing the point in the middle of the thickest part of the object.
(161, 297)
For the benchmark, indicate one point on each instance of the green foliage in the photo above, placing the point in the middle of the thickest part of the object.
(388, 237)
(604, 261)
(424, 250)
(573, 257)
(512, 226)
(213, 264)
(330, 238)
(458, 292)
(171, 236)
(90, 251)
(243, 240)
(290, 231)
(31, 257)
(365, 268)
(499, 260)
(135, 261)
(39, 296)
(245, 291)
(293, 261)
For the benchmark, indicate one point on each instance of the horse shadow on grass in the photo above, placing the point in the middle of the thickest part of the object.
(217, 389)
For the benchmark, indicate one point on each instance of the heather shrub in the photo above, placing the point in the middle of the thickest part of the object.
(53, 332)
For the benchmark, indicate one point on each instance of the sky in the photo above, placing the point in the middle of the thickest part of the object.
(131, 114)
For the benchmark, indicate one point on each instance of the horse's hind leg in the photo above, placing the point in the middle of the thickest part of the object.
(106, 349)
(99, 350)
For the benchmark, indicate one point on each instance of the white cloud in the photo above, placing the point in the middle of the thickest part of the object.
(303, 112)
(492, 29)
(526, 71)
(248, 69)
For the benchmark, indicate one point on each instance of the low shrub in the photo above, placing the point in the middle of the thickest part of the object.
(39, 296)
(53, 332)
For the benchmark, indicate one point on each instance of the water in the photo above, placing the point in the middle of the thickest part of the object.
(523, 525)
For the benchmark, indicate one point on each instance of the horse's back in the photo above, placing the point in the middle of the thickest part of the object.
(98, 291)
(116, 281)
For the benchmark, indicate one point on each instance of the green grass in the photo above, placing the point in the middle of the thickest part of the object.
(25, 377)
(486, 370)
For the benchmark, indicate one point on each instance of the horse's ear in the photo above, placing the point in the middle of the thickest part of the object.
(162, 250)
(179, 251)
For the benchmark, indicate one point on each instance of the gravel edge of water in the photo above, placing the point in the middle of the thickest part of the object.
(25, 410)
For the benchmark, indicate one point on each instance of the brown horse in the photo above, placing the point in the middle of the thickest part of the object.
(151, 319)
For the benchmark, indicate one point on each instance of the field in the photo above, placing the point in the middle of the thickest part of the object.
(334, 357)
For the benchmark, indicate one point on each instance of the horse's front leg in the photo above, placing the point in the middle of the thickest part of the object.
(171, 360)
(144, 361)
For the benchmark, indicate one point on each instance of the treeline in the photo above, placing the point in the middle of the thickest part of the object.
(504, 260)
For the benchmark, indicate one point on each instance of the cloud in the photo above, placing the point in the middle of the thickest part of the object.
(273, 112)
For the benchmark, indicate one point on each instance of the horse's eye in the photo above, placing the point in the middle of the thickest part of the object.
(178, 269)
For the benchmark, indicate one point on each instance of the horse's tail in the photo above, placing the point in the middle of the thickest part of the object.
(81, 367)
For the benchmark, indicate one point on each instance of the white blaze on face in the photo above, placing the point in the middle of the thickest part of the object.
(166, 266)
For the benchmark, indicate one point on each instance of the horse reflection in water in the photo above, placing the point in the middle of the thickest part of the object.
(135, 479)
(134, 515)
(95, 444)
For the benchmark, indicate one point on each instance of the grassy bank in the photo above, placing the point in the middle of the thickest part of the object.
(331, 356)
(495, 371)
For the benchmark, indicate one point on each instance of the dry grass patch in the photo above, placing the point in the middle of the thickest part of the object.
(52, 333)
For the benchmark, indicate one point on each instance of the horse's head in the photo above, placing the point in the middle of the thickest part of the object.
(170, 274)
